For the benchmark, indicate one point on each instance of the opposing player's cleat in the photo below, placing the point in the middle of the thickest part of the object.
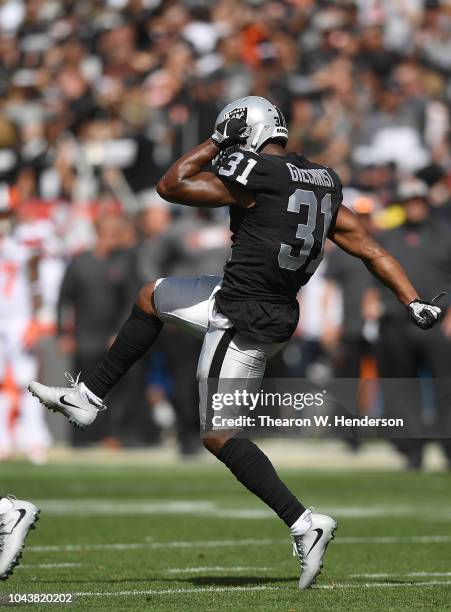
(74, 402)
(15, 524)
(311, 548)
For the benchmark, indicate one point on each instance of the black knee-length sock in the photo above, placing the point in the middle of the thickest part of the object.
(134, 339)
(255, 471)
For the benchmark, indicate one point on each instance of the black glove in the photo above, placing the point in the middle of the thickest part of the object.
(230, 132)
(425, 314)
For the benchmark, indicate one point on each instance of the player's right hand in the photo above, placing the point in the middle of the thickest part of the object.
(424, 314)
(32, 333)
(230, 132)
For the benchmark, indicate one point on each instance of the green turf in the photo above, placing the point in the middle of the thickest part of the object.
(130, 505)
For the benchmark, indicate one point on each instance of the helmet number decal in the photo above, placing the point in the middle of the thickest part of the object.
(233, 161)
(306, 231)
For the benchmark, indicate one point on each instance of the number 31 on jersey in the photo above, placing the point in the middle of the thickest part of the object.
(306, 231)
(233, 162)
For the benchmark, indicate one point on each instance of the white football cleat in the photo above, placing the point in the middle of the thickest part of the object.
(15, 524)
(75, 402)
(311, 548)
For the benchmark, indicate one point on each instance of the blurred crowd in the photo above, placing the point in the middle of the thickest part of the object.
(98, 97)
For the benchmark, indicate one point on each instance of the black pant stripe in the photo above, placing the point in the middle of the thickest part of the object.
(220, 352)
(215, 371)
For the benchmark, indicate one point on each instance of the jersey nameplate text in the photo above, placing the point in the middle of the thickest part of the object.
(314, 176)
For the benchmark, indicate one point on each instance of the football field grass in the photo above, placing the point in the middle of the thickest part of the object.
(189, 538)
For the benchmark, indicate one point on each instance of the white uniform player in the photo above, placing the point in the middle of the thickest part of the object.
(22, 423)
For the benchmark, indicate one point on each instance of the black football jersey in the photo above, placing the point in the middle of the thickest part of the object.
(278, 243)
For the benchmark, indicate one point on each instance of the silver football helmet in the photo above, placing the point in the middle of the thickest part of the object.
(265, 121)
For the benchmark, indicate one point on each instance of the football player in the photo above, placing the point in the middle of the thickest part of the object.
(16, 519)
(282, 209)
(22, 422)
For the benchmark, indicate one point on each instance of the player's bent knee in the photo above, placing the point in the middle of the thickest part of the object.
(214, 443)
(145, 299)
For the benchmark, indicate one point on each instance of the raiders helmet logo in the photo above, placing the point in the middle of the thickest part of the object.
(237, 113)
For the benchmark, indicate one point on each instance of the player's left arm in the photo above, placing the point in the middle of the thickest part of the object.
(350, 235)
(187, 183)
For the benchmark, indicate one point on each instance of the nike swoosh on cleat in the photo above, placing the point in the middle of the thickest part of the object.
(22, 513)
(319, 533)
(66, 403)
(63, 401)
